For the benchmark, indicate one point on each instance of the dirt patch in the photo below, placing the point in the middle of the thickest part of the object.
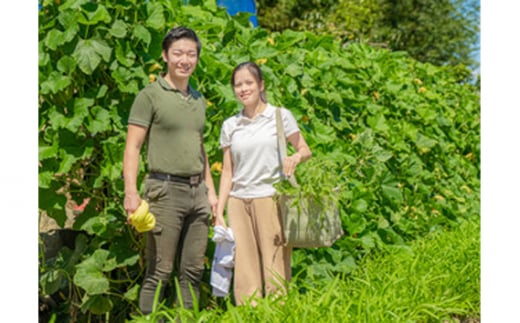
(52, 236)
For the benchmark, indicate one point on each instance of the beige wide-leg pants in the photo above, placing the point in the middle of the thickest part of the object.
(262, 262)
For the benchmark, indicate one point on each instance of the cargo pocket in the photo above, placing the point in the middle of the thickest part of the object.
(154, 189)
(154, 245)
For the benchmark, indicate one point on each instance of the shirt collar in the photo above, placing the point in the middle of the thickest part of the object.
(165, 85)
(267, 113)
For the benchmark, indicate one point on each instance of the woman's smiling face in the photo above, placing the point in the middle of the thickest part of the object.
(247, 88)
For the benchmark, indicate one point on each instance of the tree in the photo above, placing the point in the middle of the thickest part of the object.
(278, 15)
(441, 32)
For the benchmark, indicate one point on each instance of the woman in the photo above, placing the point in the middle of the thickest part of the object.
(250, 168)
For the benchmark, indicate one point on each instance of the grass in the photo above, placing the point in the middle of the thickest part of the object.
(435, 279)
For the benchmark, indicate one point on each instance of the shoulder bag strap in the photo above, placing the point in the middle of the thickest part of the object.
(282, 144)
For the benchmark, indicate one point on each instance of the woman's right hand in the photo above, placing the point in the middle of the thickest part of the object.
(219, 220)
(131, 203)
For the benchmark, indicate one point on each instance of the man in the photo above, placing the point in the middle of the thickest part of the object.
(170, 116)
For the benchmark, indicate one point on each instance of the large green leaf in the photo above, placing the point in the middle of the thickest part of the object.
(125, 54)
(393, 193)
(89, 52)
(69, 20)
(141, 33)
(124, 79)
(381, 154)
(132, 293)
(97, 304)
(355, 223)
(89, 274)
(67, 161)
(100, 120)
(424, 142)
(52, 203)
(73, 4)
(54, 39)
(360, 206)
(102, 48)
(156, 18)
(52, 280)
(45, 179)
(125, 256)
(66, 64)
(45, 152)
(119, 29)
(95, 17)
(378, 123)
(54, 83)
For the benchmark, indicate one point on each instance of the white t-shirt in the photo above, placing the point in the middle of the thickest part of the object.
(254, 151)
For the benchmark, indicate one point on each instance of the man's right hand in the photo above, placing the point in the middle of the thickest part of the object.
(131, 203)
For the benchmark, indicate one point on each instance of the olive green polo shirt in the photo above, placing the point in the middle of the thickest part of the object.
(175, 126)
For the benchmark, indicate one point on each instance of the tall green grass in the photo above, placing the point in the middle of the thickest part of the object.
(435, 279)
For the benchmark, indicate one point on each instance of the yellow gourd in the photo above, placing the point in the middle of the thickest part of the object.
(142, 219)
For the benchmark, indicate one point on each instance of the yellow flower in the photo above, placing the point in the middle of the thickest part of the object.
(208, 103)
(376, 95)
(155, 66)
(467, 189)
(261, 61)
(424, 150)
(216, 167)
(418, 81)
(270, 40)
(152, 78)
(439, 197)
(422, 89)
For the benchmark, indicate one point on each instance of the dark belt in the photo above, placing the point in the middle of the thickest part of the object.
(190, 180)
